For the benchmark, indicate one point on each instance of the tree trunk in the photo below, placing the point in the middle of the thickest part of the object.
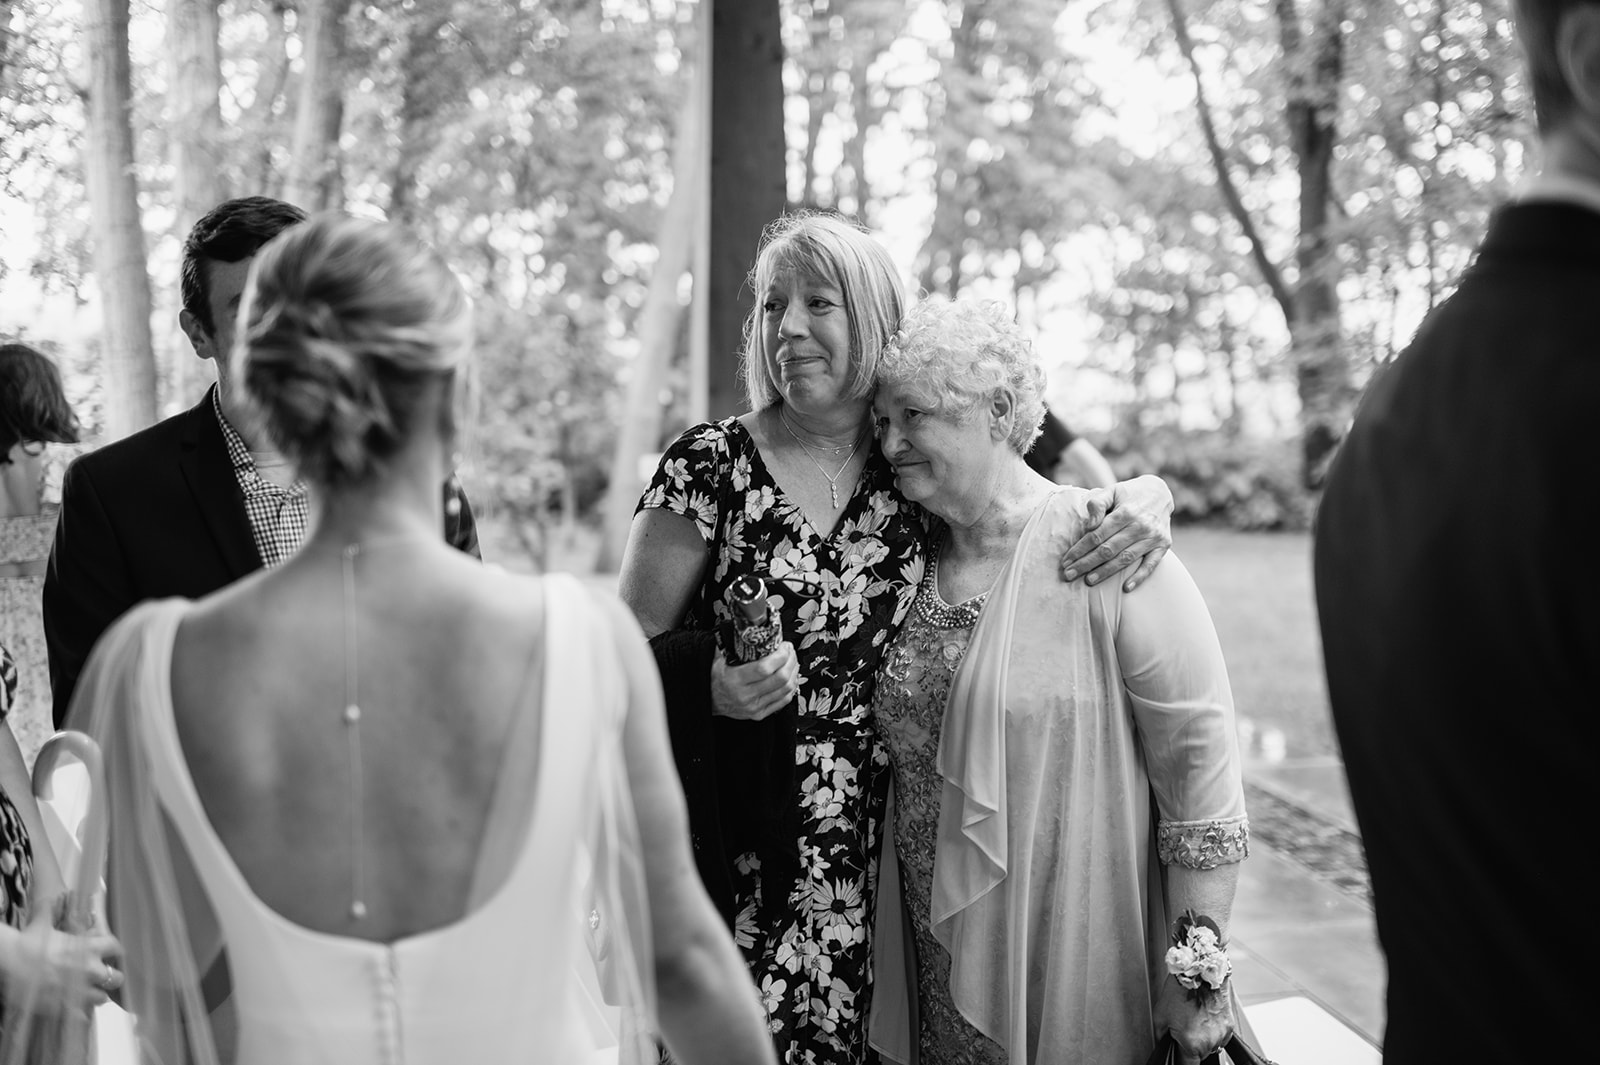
(421, 38)
(748, 165)
(855, 149)
(941, 253)
(1270, 273)
(314, 156)
(659, 318)
(119, 256)
(5, 42)
(196, 115)
(808, 189)
(1322, 372)
(269, 86)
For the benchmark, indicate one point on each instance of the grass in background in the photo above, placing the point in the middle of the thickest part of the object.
(1258, 587)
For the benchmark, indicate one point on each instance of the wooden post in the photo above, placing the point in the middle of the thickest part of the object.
(748, 176)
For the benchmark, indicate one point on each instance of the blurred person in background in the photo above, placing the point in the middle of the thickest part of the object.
(1067, 458)
(200, 499)
(1457, 598)
(37, 427)
(47, 973)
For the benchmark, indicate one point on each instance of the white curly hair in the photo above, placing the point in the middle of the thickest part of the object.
(959, 354)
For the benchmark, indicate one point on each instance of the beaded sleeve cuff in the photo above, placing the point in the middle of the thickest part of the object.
(1203, 844)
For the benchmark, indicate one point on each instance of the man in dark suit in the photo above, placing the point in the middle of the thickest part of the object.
(1460, 609)
(194, 502)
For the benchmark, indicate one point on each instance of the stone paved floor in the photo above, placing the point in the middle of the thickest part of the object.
(1307, 963)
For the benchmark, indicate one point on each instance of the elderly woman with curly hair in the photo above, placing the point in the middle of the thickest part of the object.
(1030, 725)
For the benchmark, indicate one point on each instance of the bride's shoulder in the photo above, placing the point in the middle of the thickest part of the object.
(564, 599)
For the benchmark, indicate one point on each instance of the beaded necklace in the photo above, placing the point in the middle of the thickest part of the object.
(350, 717)
(932, 608)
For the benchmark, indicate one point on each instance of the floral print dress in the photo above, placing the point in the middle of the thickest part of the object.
(16, 852)
(812, 963)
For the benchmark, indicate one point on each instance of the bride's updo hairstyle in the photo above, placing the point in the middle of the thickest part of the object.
(351, 336)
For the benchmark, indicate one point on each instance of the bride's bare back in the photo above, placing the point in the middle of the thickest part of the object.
(449, 651)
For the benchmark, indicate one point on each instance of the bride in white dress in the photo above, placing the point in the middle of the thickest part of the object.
(396, 800)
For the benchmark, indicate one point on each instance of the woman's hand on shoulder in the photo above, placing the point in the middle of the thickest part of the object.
(1198, 1029)
(755, 690)
(1128, 524)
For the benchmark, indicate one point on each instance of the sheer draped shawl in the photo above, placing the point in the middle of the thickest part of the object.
(1062, 722)
(168, 949)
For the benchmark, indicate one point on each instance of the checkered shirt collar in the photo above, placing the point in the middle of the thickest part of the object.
(278, 516)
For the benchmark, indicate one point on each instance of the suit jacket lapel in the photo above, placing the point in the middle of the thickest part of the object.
(203, 455)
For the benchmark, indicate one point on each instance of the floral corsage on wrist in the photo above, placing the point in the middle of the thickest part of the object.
(1197, 958)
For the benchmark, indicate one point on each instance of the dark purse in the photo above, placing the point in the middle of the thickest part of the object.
(1238, 1051)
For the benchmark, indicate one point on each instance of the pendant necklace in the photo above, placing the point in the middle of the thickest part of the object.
(352, 729)
(351, 719)
(833, 481)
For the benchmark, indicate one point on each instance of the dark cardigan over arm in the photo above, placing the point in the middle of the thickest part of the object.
(737, 776)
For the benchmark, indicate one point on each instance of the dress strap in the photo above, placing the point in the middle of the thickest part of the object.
(513, 806)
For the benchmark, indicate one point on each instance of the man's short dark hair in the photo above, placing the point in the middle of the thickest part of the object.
(231, 231)
(1537, 24)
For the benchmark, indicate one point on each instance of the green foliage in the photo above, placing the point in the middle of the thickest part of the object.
(1044, 153)
(529, 139)
(1217, 479)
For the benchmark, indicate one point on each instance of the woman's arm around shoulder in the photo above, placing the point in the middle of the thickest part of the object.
(708, 1006)
(1129, 523)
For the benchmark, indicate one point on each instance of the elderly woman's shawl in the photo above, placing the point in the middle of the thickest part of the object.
(1073, 706)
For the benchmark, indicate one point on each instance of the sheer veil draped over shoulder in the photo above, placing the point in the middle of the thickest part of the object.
(124, 703)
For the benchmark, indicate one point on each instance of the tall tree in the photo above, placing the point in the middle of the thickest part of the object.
(420, 98)
(256, 124)
(5, 38)
(1313, 61)
(314, 173)
(658, 328)
(119, 250)
(747, 173)
(1314, 57)
(196, 145)
(196, 114)
(1002, 130)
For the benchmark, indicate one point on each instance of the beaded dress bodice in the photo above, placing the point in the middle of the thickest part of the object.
(913, 685)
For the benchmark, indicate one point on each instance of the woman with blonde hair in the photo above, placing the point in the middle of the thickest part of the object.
(403, 795)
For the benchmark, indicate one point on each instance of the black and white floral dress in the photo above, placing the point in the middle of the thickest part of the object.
(812, 961)
(16, 852)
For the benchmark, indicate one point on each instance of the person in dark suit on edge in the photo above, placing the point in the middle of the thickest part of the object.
(198, 500)
(1459, 613)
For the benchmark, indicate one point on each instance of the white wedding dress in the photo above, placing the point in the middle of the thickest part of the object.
(515, 979)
